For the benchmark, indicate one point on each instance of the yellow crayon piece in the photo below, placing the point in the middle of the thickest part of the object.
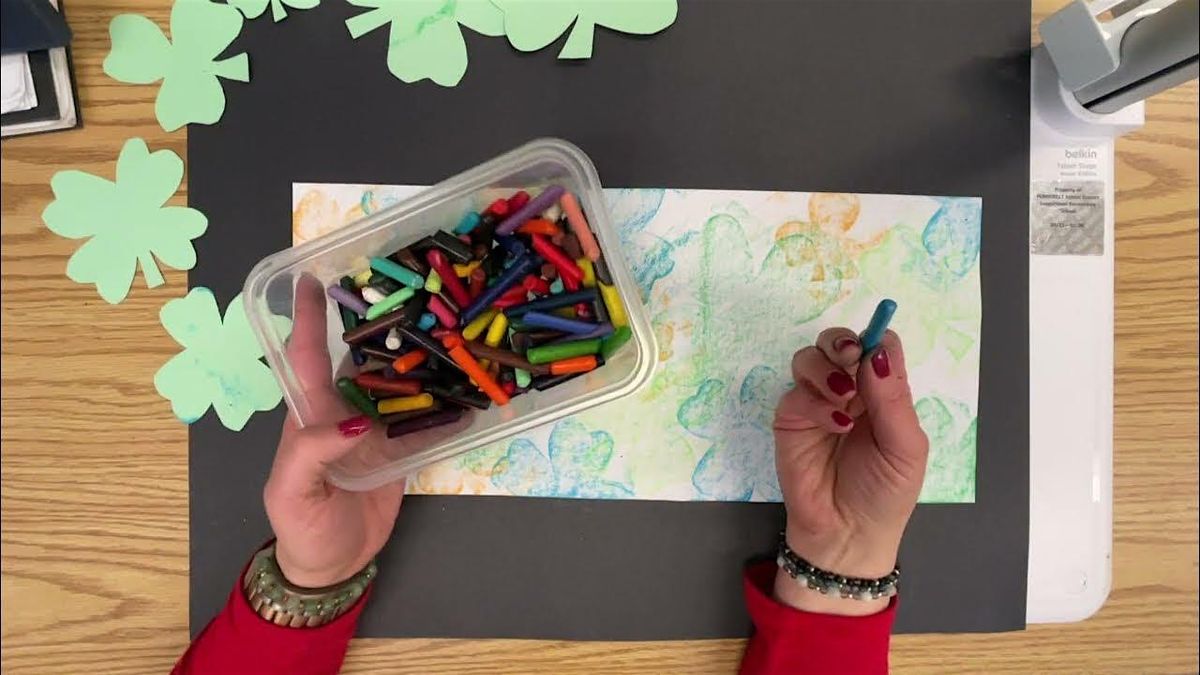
(612, 302)
(474, 329)
(496, 330)
(433, 282)
(405, 403)
(589, 272)
(565, 312)
(363, 278)
(464, 271)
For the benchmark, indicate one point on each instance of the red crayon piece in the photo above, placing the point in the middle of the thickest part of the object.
(509, 387)
(499, 208)
(567, 269)
(519, 199)
(450, 281)
(445, 316)
(571, 283)
(536, 284)
(511, 298)
(440, 333)
(381, 384)
(583, 311)
(478, 282)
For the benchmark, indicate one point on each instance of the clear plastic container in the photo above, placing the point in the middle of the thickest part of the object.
(270, 288)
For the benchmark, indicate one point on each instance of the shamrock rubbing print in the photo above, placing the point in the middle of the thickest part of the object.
(254, 8)
(534, 24)
(188, 66)
(740, 463)
(126, 220)
(573, 465)
(220, 364)
(425, 40)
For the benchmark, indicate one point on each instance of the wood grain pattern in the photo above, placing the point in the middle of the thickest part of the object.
(95, 500)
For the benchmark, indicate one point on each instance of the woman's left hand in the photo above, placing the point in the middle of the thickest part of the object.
(324, 535)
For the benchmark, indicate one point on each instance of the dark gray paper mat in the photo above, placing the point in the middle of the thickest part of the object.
(918, 97)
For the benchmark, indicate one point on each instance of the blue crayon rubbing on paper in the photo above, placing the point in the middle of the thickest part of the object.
(873, 335)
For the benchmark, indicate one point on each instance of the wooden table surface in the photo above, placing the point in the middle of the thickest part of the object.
(95, 530)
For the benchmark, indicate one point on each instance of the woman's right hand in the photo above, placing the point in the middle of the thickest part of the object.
(851, 457)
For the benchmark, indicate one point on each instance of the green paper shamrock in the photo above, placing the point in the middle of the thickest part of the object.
(126, 220)
(220, 364)
(425, 40)
(190, 92)
(254, 8)
(534, 24)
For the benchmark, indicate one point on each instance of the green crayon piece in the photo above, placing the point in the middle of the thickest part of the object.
(433, 282)
(610, 344)
(398, 272)
(389, 303)
(523, 377)
(356, 397)
(562, 350)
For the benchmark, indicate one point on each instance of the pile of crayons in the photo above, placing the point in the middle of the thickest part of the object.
(515, 298)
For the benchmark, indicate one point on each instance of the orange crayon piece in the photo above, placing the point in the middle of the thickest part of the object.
(579, 225)
(410, 360)
(538, 226)
(485, 382)
(577, 364)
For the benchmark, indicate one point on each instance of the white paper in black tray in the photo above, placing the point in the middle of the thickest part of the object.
(918, 97)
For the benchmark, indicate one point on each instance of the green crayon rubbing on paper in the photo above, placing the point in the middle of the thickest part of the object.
(188, 66)
(534, 24)
(220, 364)
(126, 221)
(424, 38)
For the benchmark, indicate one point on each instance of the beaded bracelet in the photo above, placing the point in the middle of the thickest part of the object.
(827, 582)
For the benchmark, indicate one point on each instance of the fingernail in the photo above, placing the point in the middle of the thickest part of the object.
(880, 363)
(841, 419)
(842, 344)
(354, 426)
(840, 383)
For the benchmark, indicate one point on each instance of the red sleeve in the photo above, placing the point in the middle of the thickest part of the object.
(791, 641)
(239, 641)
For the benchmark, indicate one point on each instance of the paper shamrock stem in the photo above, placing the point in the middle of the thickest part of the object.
(220, 365)
(126, 221)
(188, 66)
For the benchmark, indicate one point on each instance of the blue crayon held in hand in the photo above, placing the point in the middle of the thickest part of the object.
(873, 335)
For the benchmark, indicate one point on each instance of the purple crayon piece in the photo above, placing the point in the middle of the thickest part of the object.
(419, 423)
(511, 277)
(540, 203)
(348, 300)
(553, 322)
(602, 330)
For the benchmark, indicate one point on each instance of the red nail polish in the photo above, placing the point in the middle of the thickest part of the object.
(354, 426)
(842, 419)
(840, 383)
(842, 344)
(880, 363)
